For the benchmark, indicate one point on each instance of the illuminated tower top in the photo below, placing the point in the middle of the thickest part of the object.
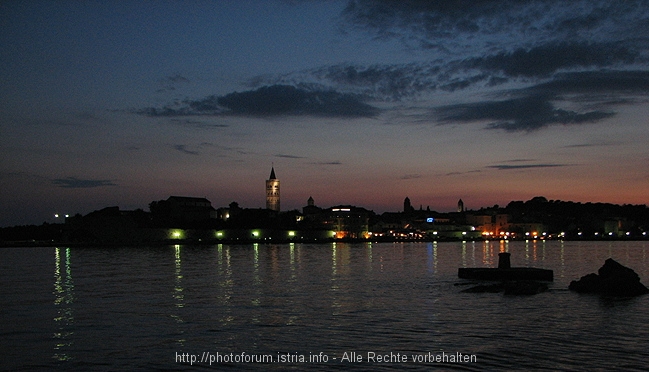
(272, 191)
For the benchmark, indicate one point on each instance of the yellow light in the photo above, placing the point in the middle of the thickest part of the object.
(291, 233)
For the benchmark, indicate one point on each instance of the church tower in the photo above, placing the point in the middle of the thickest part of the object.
(460, 206)
(407, 207)
(272, 191)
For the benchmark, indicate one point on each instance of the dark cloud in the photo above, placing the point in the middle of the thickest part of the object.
(208, 147)
(289, 156)
(560, 66)
(75, 183)
(581, 145)
(518, 114)
(328, 163)
(547, 59)
(185, 150)
(461, 173)
(524, 166)
(597, 82)
(520, 160)
(487, 43)
(197, 124)
(595, 92)
(169, 83)
(388, 82)
(274, 100)
(410, 176)
(391, 18)
(177, 79)
(168, 111)
(453, 24)
(289, 100)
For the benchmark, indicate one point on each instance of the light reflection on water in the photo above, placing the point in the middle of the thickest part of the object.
(135, 308)
(63, 299)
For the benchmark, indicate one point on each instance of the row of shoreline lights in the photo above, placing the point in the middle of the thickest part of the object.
(179, 234)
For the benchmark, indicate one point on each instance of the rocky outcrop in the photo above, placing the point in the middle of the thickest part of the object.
(612, 279)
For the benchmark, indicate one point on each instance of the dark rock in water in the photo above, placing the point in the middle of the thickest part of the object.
(513, 288)
(613, 279)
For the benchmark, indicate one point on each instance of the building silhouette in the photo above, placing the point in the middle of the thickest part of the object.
(272, 192)
(407, 207)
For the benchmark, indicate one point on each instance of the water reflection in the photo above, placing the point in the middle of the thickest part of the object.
(335, 303)
(504, 246)
(178, 295)
(227, 282)
(487, 253)
(464, 254)
(431, 250)
(257, 289)
(291, 249)
(255, 265)
(562, 259)
(64, 298)
(340, 272)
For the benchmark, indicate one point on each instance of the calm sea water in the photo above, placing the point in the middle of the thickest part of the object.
(182, 307)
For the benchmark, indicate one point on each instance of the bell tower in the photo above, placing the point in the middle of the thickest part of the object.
(272, 191)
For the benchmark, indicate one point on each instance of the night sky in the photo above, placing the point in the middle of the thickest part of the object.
(120, 103)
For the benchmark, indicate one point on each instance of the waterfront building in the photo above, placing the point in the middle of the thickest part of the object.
(348, 222)
(311, 211)
(182, 209)
(489, 224)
